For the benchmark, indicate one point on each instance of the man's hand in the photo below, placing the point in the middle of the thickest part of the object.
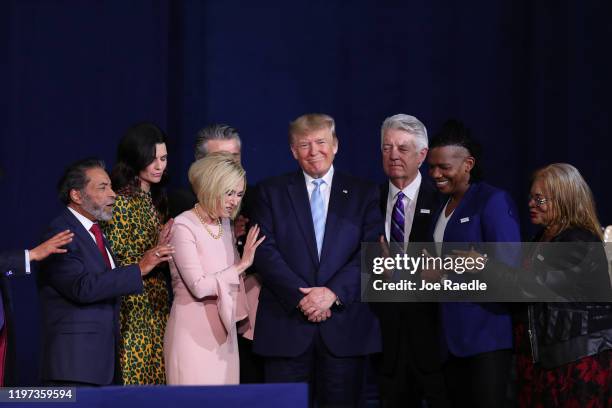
(240, 226)
(319, 316)
(316, 303)
(164, 234)
(430, 275)
(385, 252)
(51, 246)
(384, 246)
(154, 257)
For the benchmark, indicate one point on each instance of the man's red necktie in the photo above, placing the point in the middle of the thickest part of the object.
(95, 229)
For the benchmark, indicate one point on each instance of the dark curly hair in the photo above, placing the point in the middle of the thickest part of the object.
(75, 177)
(135, 152)
(455, 133)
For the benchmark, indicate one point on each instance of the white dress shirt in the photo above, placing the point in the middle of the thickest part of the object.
(441, 228)
(411, 192)
(325, 187)
(87, 223)
(27, 262)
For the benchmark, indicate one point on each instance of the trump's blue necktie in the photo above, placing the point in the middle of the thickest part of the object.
(317, 208)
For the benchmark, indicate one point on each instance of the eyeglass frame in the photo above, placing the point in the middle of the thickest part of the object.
(538, 199)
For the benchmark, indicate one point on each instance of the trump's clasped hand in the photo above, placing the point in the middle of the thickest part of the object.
(316, 303)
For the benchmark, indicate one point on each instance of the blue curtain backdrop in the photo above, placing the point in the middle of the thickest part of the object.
(532, 80)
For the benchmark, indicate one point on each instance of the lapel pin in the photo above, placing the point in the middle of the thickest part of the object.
(466, 219)
(345, 191)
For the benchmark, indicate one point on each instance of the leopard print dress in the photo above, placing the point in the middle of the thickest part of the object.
(134, 229)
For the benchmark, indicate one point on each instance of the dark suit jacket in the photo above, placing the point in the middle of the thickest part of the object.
(12, 263)
(79, 298)
(415, 322)
(288, 260)
(485, 214)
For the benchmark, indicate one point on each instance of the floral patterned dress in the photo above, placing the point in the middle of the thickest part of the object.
(134, 229)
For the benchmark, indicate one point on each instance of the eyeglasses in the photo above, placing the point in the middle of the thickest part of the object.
(538, 199)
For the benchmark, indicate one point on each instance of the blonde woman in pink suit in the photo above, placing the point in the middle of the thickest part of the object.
(200, 344)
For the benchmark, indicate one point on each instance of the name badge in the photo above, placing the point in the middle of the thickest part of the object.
(425, 211)
(464, 220)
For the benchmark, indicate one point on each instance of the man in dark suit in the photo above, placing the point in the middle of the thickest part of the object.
(311, 326)
(79, 290)
(410, 366)
(18, 263)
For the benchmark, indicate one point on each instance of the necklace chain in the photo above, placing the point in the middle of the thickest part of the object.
(214, 236)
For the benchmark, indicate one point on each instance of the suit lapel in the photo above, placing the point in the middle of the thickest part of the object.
(425, 209)
(384, 195)
(460, 210)
(110, 250)
(337, 203)
(301, 207)
(80, 231)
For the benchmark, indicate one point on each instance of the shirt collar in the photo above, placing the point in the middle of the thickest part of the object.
(410, 190)
(327, 178)
(87, 223)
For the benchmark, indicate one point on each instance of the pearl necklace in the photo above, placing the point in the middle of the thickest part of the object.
(219, 234)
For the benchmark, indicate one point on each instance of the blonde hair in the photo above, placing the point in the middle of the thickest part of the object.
(571, 198)
(311, 122)
(212, 178)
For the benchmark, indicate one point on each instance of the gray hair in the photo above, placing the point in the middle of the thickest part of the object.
(408, 124)
(213, 132)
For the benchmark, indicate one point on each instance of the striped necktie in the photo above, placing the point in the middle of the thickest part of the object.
(398, 219)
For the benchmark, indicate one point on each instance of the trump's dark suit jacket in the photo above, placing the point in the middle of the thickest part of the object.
(288, 260)
(79, 298)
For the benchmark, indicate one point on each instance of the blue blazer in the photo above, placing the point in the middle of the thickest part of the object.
(79, 299)
(288, 260)
(485, 214)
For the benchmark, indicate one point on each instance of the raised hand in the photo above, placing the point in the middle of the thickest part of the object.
(430, 275)
(51, 246)
(154, 257)
(240, 226)
(250, 246)
(164, 234)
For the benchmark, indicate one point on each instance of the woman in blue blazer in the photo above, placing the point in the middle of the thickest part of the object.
(478, 336)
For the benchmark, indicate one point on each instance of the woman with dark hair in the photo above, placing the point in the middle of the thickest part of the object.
(136, 226)
(478, 335)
